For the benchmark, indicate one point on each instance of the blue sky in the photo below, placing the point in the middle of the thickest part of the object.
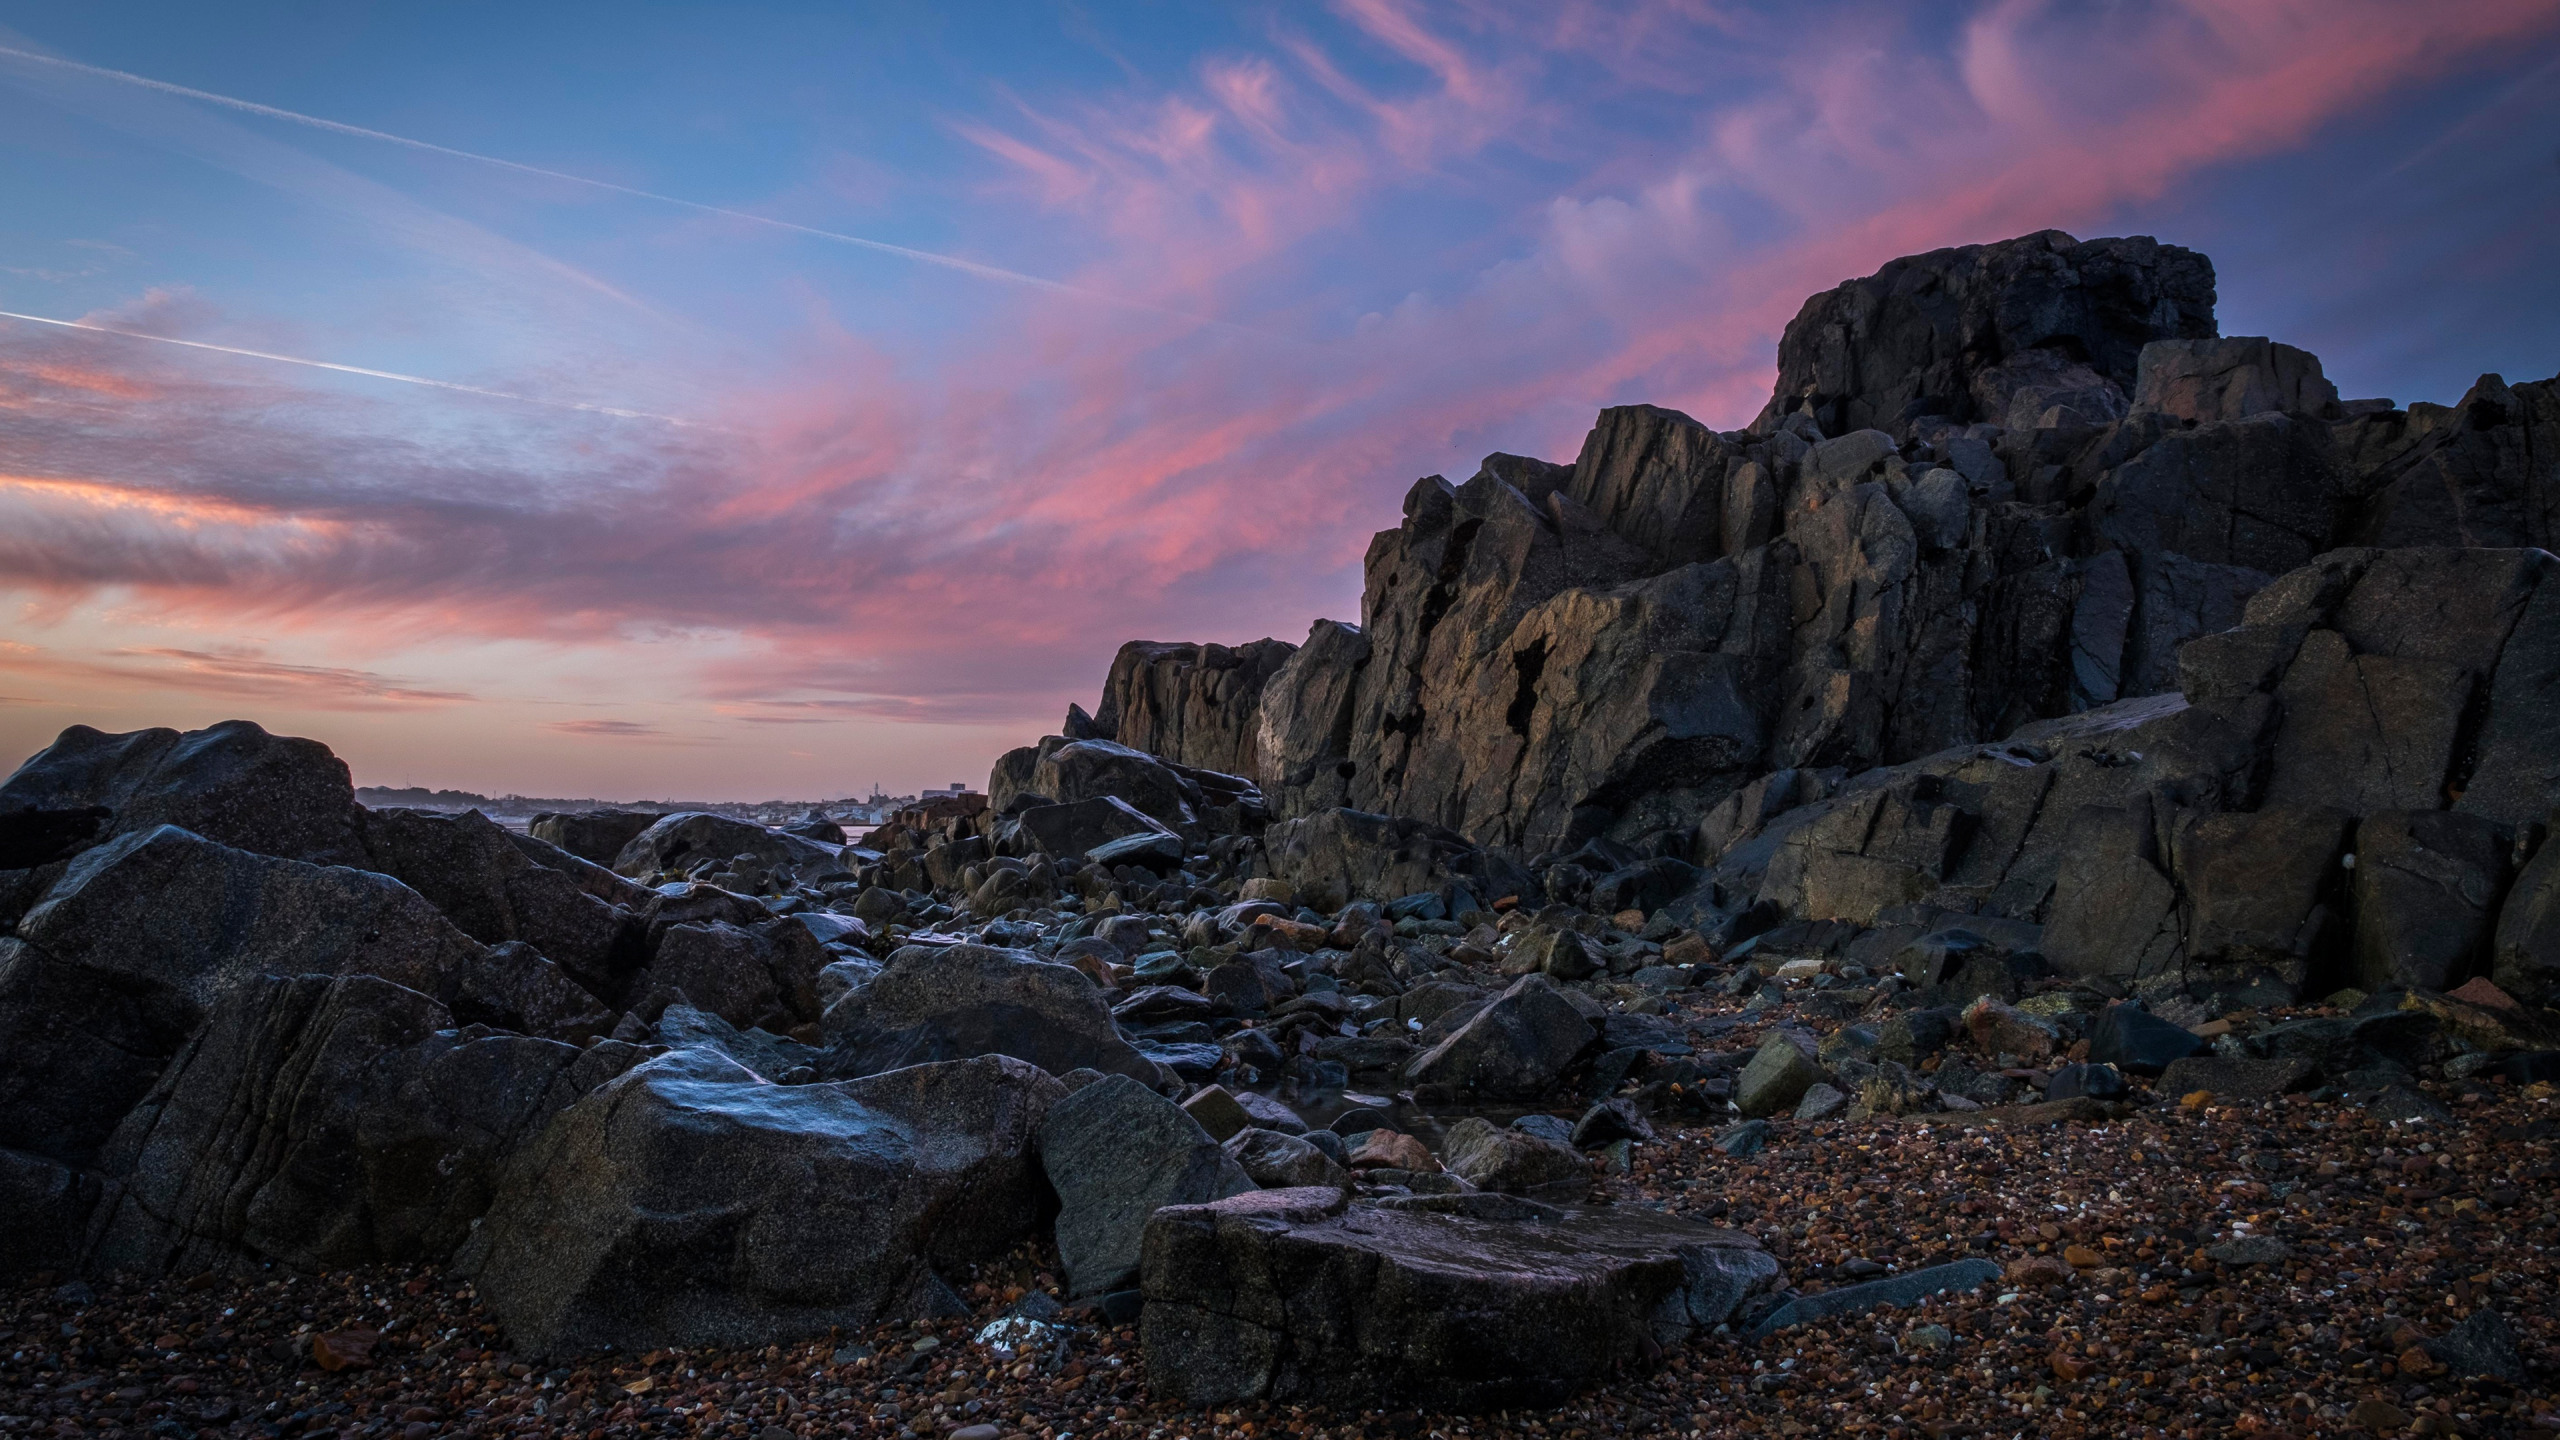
(1278, 261)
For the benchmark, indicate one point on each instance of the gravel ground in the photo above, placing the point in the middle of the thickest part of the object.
(2373, 1238)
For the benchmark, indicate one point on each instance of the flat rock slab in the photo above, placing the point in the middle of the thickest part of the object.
(1896, 1290)
(1458, 1301)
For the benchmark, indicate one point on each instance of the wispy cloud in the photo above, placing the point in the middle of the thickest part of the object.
(232, 673)
(1647, 192)
(608, 729)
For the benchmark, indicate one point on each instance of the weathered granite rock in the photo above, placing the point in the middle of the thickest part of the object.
(1116, 1152)
(951, 1002)
(595, 836)
(232, 783)
(1516, 1046)
(325, 1122)
(1195, 705)
(469, 867)
(687, 1203)
(1508, 1158)
(1073, 831)
(2427, 886)
(78, 1047)
(1781, 1070)
(169, 909)
(1910, 340)
(1282, 1162)
(681, 841)
(1461, 1301)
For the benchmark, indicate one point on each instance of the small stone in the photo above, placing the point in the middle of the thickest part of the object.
(1217, 1112)
(2482, 1345)
(2038, 1272)
(1821, 1103)
(1779, 1074)
(1926, 1339)
(2250, 1250)
(1384, 1149)
(1748, 1138)
(2081, 1257)
(2380, 1416)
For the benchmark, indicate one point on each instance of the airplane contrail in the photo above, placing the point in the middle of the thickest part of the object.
(927, 257)
(345, 369)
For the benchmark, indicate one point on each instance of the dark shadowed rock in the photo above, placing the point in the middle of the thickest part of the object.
(1517, 1046)
(2238, 1077)
(1900, 1290)
(469, 867)
(1911, 339)
(2527, 963)
(30, 837)
(680, 842)
(2484, 1344)
(688, 1203)
(1334, 857)
(2134, 1040)
(1116, 1152)
(326, 1122)
(956, 1001)
(232, 783)
(44, 1213)
(78, 1047)
(1073, 831)
(595, 836)
(172, 910)
(2427, 886)
(1462, 1301)
(1508, 1158)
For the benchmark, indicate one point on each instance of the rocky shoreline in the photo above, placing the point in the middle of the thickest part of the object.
(2021, 876)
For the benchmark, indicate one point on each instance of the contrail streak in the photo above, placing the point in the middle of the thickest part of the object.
(344, 369)
(927, 257)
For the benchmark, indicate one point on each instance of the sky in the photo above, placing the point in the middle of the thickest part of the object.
(774, 400)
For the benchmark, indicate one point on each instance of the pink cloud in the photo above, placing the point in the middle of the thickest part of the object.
(966, 543)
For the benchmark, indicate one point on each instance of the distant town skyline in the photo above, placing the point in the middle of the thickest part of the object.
(777, 398)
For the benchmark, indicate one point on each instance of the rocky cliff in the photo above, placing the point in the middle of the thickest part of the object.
(1996, 484)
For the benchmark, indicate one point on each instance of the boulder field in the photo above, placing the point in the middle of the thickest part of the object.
(2046, 709)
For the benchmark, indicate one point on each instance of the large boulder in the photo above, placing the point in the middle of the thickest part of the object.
(44, 1213)
(1518, 1046)
(763, 972)
(681, 841)
(2427, 886)
(1070, 832)
(326, 1122)
(1913, 339)
(494, 889)
(1093, 769)
(172, 910)
(596, 836)
(232, 783)
(1455, 1302)
(687, 1203)
(951, 1002)
(1117, 1152)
